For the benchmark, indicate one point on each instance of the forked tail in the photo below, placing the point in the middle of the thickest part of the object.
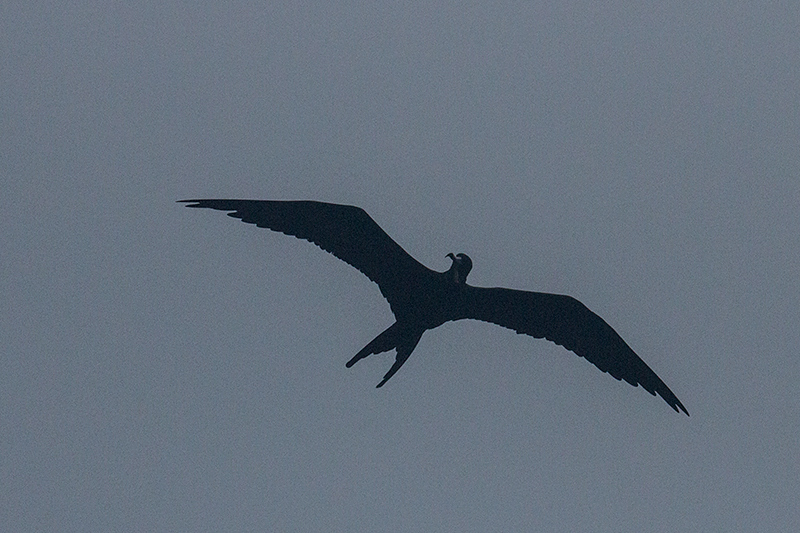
(405, 340)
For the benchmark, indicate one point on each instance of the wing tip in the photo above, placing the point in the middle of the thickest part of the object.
(664, 392)
(672, 401)
(678, 406)
(190, 203)
(220, 204)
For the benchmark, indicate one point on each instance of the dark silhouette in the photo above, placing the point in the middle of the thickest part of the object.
(423, 299)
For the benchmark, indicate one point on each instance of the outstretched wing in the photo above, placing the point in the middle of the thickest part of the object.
(567, 322)
(346, 231)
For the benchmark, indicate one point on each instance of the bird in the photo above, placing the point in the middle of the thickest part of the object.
(421, 298)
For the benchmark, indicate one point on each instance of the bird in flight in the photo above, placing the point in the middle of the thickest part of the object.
(423, 299)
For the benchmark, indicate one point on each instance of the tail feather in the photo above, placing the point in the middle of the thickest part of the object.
(408, 343)
(382, 343)
(405, 340)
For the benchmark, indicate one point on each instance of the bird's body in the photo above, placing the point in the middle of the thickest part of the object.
(423, 299)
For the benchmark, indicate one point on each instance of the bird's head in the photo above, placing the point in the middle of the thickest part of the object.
(460, 268)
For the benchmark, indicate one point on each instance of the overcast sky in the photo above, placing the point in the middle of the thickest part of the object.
(167, 369)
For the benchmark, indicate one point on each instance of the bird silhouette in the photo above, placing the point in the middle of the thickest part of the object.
(423, 299)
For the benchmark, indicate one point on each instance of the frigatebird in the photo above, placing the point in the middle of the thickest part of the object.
(423, 299)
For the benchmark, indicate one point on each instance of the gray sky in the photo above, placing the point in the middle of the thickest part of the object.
(167, 369)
